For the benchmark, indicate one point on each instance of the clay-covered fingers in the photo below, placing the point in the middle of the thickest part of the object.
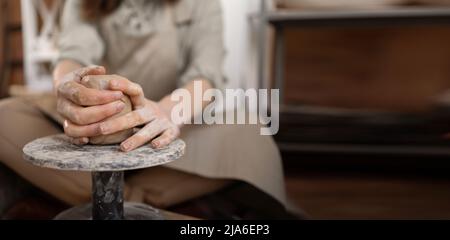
(91, 70)
(88, 115)
(166, 131)
(84, 96)
(127, 121)
(166, 137)
(133, 90)
(100, 82)
(78, 74)
(144, 135)
(77, 131)
(80, 141)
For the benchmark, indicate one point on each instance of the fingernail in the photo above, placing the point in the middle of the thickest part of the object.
(85, 79)
(99, 69)
(126, 146)
(120, 106)
(155, 144)
(66, 124)
(118, 94)
(104, 128)
(85, 140)
(114, 84)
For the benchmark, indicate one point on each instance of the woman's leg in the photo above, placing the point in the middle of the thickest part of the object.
(236, 152)
(163, 187)
(21, 123)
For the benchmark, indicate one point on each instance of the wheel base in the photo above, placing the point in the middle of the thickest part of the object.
(132, 211)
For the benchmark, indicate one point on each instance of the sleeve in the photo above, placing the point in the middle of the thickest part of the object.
(206, 45)
(79, 40)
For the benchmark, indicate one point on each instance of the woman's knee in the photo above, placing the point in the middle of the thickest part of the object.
(7, 106)
(21, 122)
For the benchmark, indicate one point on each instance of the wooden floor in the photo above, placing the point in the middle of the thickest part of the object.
(369, 196)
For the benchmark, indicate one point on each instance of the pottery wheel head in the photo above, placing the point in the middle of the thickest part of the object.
(58, 152)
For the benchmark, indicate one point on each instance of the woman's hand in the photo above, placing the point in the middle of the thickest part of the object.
(158, 129)
(82, 107)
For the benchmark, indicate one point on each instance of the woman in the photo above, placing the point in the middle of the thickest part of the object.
(149, 49)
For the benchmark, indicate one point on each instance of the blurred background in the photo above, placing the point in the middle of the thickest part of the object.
(364, 86)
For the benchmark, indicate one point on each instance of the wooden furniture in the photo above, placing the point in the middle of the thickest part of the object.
(369, 18)
(326, 130)
(3, 18)
(10, 45)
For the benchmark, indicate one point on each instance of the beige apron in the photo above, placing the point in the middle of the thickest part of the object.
(218, 151)
(150, 60)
